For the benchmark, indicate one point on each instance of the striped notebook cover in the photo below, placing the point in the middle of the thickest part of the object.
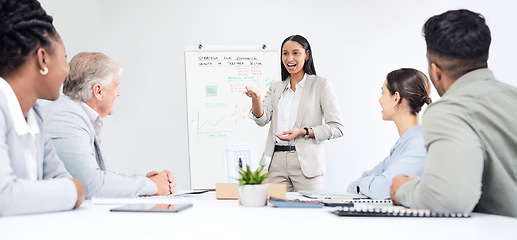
(393, 211)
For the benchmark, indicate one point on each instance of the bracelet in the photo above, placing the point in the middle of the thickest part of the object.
(306, 133)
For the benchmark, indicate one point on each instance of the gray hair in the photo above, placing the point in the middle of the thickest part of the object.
(87, 69)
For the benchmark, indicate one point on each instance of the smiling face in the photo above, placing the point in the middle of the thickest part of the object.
(294, 57)
(109, 95)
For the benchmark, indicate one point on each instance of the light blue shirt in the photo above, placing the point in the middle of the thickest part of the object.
(406, 157)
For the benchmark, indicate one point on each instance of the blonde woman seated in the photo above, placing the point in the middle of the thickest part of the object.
(404, 93)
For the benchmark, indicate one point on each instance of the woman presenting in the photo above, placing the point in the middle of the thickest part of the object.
(404, 92)
(303, 112)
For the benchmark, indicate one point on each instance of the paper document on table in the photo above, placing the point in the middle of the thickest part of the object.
(149, 200)
(237, 156)
(328, 195)
(181, 193)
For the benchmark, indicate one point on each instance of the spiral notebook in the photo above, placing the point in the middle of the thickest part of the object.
(369, 210)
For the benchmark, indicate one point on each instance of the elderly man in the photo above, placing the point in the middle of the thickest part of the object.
(74, 124)
(470, 133)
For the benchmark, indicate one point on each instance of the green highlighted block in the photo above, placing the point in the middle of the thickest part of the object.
(211, 91)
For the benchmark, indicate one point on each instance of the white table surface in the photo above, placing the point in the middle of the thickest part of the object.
(225, 219)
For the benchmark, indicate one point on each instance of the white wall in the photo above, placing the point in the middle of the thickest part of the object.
(355, 44)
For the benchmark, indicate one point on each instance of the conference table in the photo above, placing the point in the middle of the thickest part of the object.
(210, 218)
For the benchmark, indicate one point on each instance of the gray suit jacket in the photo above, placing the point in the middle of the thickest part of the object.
(471, 140)
(54, 190)
(74, 137)
(317, 103)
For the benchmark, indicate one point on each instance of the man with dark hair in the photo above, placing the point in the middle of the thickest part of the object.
(471, 132)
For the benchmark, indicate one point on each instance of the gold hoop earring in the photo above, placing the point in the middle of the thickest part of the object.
(43, 71)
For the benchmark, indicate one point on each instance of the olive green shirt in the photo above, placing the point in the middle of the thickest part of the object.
(471, 139)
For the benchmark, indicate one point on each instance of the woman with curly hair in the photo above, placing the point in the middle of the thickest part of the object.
(33, 66)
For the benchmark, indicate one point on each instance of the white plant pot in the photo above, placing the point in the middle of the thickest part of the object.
(253, 195)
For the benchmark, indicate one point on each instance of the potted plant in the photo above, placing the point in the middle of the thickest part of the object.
(252, 191)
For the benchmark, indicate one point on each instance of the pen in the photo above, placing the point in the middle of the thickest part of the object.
(204, 189)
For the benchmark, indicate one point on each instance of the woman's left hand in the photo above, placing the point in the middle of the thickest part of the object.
(290, 134)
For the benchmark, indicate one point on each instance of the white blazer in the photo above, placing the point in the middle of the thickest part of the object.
(318, 109)
(53, 191)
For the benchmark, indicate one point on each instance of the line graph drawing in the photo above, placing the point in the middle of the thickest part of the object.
(218, 121)
(211, 127)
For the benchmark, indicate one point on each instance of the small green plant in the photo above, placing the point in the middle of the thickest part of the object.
(249, 177)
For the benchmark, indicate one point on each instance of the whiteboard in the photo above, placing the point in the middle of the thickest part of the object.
(220, 130)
